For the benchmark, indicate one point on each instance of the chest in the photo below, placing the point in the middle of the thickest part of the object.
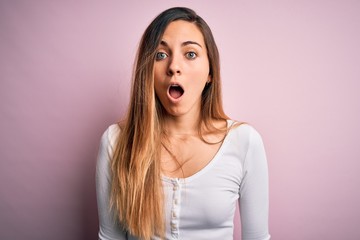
(182, 158)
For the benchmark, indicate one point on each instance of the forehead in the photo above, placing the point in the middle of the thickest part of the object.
(181, 31)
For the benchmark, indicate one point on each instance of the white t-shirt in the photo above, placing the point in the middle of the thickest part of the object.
(203, 205)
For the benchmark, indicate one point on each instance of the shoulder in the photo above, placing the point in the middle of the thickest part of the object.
(244, 133)
(249, 145)
(109, 138)
(244, 139)
(111, 133)
(106, 150)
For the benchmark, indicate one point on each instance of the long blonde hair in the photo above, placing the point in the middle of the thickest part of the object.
(136, 189)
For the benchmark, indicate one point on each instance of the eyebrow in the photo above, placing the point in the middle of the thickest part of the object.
(183, 44)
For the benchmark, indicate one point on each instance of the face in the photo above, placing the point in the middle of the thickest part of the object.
(181, 69)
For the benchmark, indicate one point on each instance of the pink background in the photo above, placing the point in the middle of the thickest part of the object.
(290, 68)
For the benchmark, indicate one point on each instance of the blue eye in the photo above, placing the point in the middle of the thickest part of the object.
(161, 55)
(191, 55)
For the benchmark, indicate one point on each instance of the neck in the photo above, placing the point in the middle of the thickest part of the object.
(183, 125)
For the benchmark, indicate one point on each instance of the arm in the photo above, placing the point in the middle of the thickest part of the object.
(254, 192)
(108, 227)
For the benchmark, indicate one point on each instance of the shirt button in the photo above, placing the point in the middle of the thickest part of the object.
(174, 214)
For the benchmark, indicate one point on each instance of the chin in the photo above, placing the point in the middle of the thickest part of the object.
(170, 111)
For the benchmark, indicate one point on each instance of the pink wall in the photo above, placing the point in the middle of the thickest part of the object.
(289, 68)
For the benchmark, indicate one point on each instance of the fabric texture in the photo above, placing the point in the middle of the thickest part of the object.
(203, 205)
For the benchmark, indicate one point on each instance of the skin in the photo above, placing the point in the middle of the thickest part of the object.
(182, 59)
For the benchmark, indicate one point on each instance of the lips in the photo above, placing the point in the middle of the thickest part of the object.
(175, 91)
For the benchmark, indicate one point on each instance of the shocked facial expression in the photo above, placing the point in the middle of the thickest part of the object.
(181, 69)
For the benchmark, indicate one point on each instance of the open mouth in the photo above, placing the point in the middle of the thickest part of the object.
(176, 91)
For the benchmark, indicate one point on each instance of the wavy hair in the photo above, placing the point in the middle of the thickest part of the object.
(137, 196)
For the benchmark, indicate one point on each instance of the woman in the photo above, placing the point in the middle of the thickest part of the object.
(177, 165)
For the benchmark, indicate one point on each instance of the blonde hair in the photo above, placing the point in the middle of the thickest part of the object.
(136, 189)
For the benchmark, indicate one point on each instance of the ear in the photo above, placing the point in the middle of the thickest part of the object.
(209, 79)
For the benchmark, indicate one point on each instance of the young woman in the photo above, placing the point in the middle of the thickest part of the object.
(177, 165)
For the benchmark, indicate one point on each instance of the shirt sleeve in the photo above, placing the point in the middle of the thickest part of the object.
(109, 228)
(254, 191)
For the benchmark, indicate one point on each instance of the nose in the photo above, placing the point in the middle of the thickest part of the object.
(174, 67)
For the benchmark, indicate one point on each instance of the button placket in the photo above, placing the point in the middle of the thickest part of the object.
(175, 210)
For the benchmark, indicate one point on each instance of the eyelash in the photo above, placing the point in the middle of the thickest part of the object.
(191, 52)
(158, 56)
(161, 55)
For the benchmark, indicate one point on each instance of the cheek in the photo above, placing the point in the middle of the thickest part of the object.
(160, 90)
(202, 73)
(157, 87)
(203, 67)
(156, 75)
(159, 72)
(157, 79)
